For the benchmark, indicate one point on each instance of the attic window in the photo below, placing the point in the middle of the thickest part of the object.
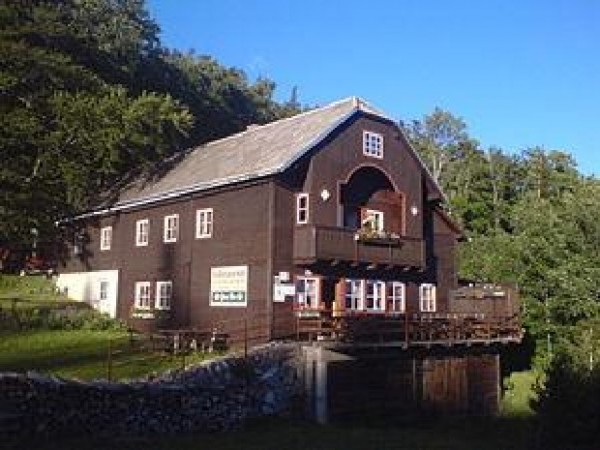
(302, 208)
(373, 144)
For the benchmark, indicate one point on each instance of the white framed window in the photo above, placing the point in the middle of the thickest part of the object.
(171, 228)
(164, 294)
(427, 297)
(204, 223)
(373, 220)
(396, 297)
(308, 292)
(302, 208)
(103, 290)
(375, 295)
(142, 295)
(142, 232)
(353, 295)
(105, 238)
(372, 144)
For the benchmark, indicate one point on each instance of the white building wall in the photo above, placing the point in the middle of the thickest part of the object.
(85, 287)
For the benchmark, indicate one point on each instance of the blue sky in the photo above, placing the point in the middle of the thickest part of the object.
(520, 73)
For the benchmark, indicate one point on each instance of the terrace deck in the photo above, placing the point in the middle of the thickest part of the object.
(407, 330)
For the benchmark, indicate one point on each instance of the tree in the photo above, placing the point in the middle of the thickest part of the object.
(89, 96)
(67, 133)
(438, 137)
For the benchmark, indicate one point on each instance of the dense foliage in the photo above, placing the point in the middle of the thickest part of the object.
(569, 401)
(88, 96)
(530, 219)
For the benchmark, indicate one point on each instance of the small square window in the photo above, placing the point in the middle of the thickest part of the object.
(427, 297)
(142, 295)
(302, 207)
(142, 231)
(164, 293)
(103, 291)
(308, 292)
(204, 223)
(105, 238)
(373, 144)
(375, 295)
(396, 297)
(171, 228)
(353, 294)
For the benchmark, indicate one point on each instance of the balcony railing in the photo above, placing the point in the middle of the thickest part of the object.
(482, 313)
(408, 330)
(319, 243)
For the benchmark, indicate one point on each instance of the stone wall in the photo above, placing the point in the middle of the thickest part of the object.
(219, 395)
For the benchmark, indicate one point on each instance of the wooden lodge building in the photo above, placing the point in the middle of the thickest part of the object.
(303, 227)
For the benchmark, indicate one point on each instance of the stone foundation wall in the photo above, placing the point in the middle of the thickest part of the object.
(219, 395)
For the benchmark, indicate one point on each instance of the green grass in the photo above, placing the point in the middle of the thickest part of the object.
(518, 395)
(82, 354)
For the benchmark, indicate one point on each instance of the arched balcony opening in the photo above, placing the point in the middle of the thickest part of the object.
(369, 199)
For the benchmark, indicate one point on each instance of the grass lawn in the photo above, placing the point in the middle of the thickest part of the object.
(82, 354)
(516, 401)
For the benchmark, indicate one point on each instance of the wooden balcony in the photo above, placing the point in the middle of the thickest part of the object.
(407, 330)
(319, 243)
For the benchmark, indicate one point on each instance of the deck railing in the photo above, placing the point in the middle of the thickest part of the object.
(422, 329)
(481, 316)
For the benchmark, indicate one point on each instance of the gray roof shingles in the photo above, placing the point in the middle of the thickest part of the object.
(258, 151)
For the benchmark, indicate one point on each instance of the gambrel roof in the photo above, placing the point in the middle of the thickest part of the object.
(257, 152)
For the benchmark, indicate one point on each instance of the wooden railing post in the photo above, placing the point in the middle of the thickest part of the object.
(406, 331)
(246, 336)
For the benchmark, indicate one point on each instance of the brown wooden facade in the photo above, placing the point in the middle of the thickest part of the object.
(254, 224)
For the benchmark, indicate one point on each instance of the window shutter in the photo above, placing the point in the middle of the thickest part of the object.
(363, 217)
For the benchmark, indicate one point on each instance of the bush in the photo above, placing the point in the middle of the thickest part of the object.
(58, 319)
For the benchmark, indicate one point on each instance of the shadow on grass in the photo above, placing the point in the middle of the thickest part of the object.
(449, 434)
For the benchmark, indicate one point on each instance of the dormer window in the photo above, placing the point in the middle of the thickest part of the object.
(302, 209)
(105, 238)
(372, 144)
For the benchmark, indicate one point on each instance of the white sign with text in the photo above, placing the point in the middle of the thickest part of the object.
(229, 286)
